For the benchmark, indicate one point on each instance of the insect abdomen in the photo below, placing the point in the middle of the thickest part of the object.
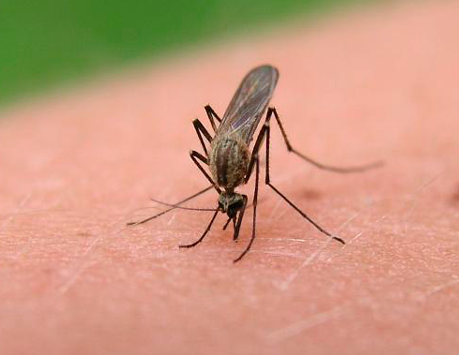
(228, 162)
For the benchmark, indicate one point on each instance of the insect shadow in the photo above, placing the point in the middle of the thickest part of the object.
(230, 161)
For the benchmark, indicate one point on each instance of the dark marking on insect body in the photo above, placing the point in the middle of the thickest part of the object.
(229, 159)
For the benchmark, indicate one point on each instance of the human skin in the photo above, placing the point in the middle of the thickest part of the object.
(76, 167)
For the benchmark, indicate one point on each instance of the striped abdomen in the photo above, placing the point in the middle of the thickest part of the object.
(229, 159)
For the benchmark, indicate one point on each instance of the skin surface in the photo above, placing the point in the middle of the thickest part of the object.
(76, 167)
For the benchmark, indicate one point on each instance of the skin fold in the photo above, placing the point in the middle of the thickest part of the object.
(78, 165)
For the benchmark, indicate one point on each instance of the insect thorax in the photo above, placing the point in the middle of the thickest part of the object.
(229, 159)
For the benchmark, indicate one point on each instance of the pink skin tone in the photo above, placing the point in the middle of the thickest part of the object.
(78, 166)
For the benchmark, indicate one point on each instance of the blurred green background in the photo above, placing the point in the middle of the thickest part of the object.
(46, 42)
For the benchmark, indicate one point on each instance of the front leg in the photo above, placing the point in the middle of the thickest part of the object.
(203, 234)
(237, 225)
(254, 218)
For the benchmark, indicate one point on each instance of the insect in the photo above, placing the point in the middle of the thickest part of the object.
(229, 161)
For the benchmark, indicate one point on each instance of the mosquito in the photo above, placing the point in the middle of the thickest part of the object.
(229, 161)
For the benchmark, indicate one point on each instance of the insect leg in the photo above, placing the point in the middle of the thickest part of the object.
(170, 209)
(237, 225)
(268, 182)
(203, 235)
(255, 199)
(228, 222)
(343, 170)
(201, 130)
(212, 114)
(194, 155)
(256, 149)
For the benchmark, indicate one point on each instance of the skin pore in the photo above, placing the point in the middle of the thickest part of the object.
(77, 166)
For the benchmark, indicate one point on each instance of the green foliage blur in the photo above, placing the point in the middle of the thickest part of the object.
(48, 41)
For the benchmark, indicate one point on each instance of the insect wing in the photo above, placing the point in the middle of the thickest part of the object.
(249, 102)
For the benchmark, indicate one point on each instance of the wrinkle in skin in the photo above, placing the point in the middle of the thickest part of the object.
(301, 326)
